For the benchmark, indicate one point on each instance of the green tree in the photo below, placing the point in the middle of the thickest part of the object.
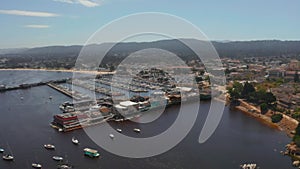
(297, 130)
(263, 108)
(269, 98)
(296, 77)
(296, 139)
(276, 118)
(235, 91)
(227, 71)
(112, 68)
(247, 90)
(296, 115)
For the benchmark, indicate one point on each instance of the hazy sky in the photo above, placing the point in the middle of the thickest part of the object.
(30, 23)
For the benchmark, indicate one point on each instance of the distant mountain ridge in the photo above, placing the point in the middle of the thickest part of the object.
(65, 56)
(259, 48)
(12, 50)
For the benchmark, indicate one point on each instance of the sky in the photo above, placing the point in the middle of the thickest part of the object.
(33, 23)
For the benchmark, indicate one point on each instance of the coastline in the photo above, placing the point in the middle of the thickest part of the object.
(57, 70)
(287, 124)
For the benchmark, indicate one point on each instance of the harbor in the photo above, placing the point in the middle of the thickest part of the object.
(36, 110)
(118, 100)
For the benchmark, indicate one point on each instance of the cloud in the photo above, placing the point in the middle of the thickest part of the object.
(65, 1)
(28, 13)
(37, 26)
(86, 3)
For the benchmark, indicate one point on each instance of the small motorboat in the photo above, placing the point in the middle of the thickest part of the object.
(36, 165)
(91, 152)
(57, 158)
(64, 166)
(49, 146)
(1, 150)
(75, 141)
(119, 130)
(8, 157)
(137, 130)
(111, 136)
(249, 166)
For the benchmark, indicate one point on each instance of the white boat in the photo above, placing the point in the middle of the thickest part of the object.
(49, 146)
(249, 166)
(75, 141)
(1, 150)
(36, 165)
(137, 130)
(8, 157)
(64, 166)
(111, 136)
(119, 130)
(57, 158)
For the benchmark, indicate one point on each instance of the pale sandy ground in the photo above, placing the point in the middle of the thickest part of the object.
(287, 124)
(59, 70)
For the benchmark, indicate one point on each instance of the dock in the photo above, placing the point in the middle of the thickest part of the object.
(29, 85)
(74, 95)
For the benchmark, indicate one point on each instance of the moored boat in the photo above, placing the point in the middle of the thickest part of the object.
(249, 166)
(119, 130)
(75, 141)
(111, 136)
(64, 166)
(1, 150)
(57, 158)
(91, 152)
(36, 165)
(49, 146)
(137, 130)
(8, 157)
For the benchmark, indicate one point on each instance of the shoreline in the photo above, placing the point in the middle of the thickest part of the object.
(56, 70)
(287, 124)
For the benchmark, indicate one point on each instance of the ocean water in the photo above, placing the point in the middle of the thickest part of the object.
(25, 129)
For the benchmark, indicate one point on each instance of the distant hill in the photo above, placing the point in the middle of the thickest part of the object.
(257, 48)
(58, 56)
(12, 50)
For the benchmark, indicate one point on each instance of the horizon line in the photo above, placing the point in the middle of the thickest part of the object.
(220, 41)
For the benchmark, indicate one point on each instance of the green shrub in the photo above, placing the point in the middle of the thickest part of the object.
(296, 115)
(296, 139)
(276, 118)
(263, 108)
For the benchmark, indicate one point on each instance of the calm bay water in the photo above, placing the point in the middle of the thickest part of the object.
(25, 128)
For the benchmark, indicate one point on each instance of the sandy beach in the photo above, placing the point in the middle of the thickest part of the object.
(287, 124)
(58, 70)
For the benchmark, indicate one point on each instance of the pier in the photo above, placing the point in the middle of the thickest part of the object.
(26, 86)
(69, 93)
